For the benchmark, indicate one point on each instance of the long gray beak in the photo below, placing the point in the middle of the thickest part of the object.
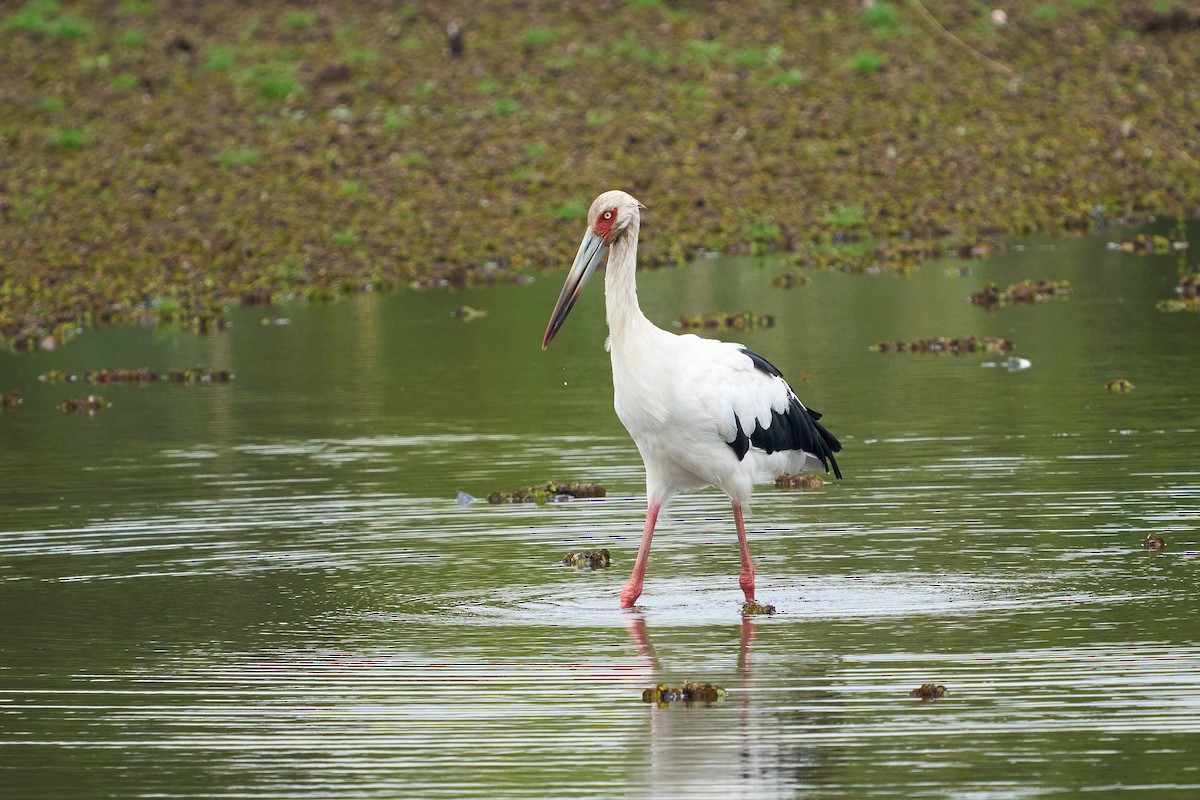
(591, 253)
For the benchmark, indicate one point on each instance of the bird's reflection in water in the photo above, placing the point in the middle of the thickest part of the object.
(725, 749)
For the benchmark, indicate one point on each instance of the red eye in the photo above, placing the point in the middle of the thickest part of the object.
(603, 224)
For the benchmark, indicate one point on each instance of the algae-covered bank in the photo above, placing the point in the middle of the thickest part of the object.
(161, 160)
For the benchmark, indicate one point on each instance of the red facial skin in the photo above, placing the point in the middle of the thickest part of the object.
(602, 227)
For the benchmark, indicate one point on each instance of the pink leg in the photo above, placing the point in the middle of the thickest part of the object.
(633, 589)
(746, 579)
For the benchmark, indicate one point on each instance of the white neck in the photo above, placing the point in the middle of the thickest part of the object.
(624, 315)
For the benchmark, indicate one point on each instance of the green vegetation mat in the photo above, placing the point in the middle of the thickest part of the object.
(161, 160)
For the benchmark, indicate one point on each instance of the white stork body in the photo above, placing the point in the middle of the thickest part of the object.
(678, 396)
(701, 412)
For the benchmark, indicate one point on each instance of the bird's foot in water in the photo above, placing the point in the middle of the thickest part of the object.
(753, 607)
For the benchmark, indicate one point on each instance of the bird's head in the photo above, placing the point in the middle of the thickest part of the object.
(613, 216)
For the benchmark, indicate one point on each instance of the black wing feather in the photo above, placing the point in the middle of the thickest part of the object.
(795, 428)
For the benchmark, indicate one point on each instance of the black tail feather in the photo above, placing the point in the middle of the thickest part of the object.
(794, 429)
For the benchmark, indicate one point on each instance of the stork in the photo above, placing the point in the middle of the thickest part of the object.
(701, 412)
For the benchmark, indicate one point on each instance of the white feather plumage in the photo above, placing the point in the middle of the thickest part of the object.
(700, 411)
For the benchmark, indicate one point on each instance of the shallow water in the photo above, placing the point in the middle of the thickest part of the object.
(266, 588)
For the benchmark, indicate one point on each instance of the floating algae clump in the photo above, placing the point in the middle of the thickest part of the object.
(1191, 304)
(1023, 293)
(809, 480)
(788, 281)
(941, 345)
(929, 691)
(58, 376)
(1145, 244)
(722, 321)
(138, 376)
(594, 559)
(1189, 295)
(84, 405)
(467, 313)
(753, 608)
(199, 375)
(662, 694)
(551, 492)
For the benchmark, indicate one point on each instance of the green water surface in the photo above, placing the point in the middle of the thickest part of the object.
(267, 588)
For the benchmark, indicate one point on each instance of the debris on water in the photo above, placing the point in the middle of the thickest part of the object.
(58, 376)
(662, 694)
(807, 480)
(753, 608)
(929, 691)
(788, 281)
(1154, 542)
(939, 345)
(1119, 386)
(105, 376)
(1188, 290)
(702, 692)
(1145, 244)
(84, 405)
(979, 250)
(199, 375)
(466, 313)
(551, 492)
(746, 320)
(464, 499)
(593, 559)
(12, 400)
(138, 376)
(989, 296)
(1190, 304)
(276, 321)
(1013, 364)
(1022, 293)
